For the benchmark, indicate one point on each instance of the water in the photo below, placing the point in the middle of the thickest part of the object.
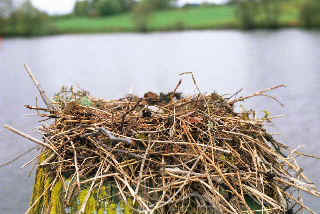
(111, 65)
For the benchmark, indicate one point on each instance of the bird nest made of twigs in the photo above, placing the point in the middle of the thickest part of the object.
(171, 153)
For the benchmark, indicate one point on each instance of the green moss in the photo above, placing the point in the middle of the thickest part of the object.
(104, 200)
(38, 187)
(112, 208)
(101, 211)
(46, 197)
(56, 200)
(127, 207)
(91, 205)
(82, 196)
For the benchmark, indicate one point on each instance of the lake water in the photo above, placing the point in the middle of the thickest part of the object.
(111, 65)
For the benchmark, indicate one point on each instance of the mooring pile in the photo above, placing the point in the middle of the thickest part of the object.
(170, 153)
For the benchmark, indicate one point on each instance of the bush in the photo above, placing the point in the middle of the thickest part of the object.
(265, 13)
(3, 25)
(110, 7)
(161, 4)
(310, 13)
(81, 8)
(247, 12)
(270, 11)
(27, 20)
(142, 14)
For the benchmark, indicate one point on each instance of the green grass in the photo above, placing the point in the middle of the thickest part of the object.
(101, 24)
(201, 17)
(212, 17)
(185, 18)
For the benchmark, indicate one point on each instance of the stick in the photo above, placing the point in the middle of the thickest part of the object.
(43, 95)
(129, 111)
(175, 90)
(76, 164)
(29, 138)
(141, 170)
(112, 137)
(259, 93)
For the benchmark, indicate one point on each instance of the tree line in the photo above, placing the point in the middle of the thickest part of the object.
(25, 19)
(250, 13)
(111, 7)
(267, 13)
(141, 10)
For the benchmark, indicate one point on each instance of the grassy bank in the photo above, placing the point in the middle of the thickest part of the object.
(178, 19)
(193, 18)
(215, 17)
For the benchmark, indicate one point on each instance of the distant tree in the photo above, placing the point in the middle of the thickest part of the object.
(231, 2)
(270, 11)
(143, 10)
(254, 13)
(142, 13)
(247, 12)
(6, 7)
(127, 5)
(310, 13)
(161, 4)
(28, 20)
(110, 7)
(81, 8)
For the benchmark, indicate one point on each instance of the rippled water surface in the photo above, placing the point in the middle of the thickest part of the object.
(111, 65)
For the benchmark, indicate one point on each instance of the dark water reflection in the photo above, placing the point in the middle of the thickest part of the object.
(110, 65)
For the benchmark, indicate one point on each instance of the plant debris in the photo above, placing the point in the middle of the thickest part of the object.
(171, 153)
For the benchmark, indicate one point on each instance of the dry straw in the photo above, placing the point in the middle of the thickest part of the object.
(171, 154)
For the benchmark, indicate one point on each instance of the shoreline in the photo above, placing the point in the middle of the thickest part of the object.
(157, 30)
(173, 20)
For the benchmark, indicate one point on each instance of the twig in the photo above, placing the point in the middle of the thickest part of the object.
(42, 194)
(129, 111)
(84, 204)
(180, 188)
(259, 93)
(197, 87)
(300, 203)
(76, 164)
(112, 138)
(142, 168)
(176, 88)
(99, 177)
(30, 138)
(43, 95)
(235, 94)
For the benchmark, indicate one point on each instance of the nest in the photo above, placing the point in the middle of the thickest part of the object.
(173, 154)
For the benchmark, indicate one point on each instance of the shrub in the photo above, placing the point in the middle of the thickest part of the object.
(161, 4)
(310, 13)
(3, 25)
(246, 12)
(81, 8)
(142, 14)
(27, 20)
(270, 11)
(110, 7)
(264, 13)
